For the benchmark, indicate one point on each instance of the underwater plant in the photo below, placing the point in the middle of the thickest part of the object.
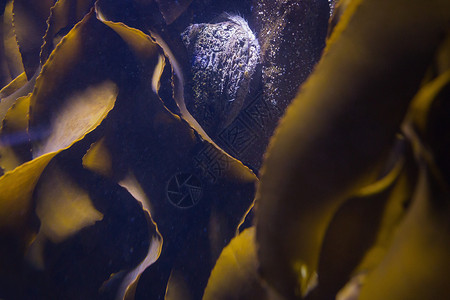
(202, 149)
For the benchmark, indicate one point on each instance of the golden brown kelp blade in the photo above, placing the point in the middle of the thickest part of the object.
(12, 87)
(15, 147)
(16, 208)
(5, 76)
(62, 93)
(429, 117)
(102, 160)
(416, 264)
(18, 222)
(63, 207)
(98, 158)
(235, 275)
(18, 225)
(122, 283)
(17, 187)
(362, 227)
(426, 111)
(29, 21)
(71, 56)
(86, 95)
(331, 137)
(52, 85)
(128, 287)
(102, 156)
(17, 88)
(142, 46)
(63, 16)
(12, 57)
(97, 100)
(95, 256)
(393, 210)
(14, 112)
(73, 118)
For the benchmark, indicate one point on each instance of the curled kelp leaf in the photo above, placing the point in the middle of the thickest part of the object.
(327, 133)
(63, 16)
(348, 249)
(17, 88)
(101, 159)
(17, 225)
(87, 125)
(137, 16)
(5, 77)
(15, 147)
(17, 185)
(63, 67)
(417, 262)
(113, 245)
(51, 85)
(143, 47)
(235, 275)
(73, 118)
(86, 106)
(13, 60)
(98, 158)
(13, 86)
(128, 286)
(428, 116)
(63, 208)
(29, 19)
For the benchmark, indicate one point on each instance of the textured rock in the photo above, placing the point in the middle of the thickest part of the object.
(224, 56)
